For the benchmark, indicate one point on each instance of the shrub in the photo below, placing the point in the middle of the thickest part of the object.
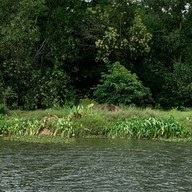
(3, 110)
(119, 86)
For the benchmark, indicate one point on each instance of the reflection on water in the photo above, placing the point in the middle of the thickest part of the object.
(96, 165)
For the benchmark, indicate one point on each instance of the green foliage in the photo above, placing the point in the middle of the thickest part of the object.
(109, 44)
(21, 126)
(1, 93)
(76, 112)
(139, 37)
(128, 122)
(178, 86)
(147, 128)
(20, 35)
(81, 111)
(119, 86)
(3, 109)
(51, 89)
(170, 49)
(62, 45)
(10, 97)
(3, 125)
(53, 52)
(65, 128)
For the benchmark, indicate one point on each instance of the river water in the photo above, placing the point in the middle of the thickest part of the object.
(101, 165)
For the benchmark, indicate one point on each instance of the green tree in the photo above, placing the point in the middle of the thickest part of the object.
(169, 22)
(125, 36)
(139, 37)
(70, 42)
(53, 88)
(19, 35)
(52, 51)
(179, 84)
(120, 86)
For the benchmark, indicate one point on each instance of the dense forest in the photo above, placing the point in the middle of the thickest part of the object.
(55, 52)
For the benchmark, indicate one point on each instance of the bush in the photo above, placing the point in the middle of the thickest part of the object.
(3, 110)
(120, 86)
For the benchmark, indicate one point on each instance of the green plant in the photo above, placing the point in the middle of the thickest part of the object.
(3, 109)
(65, 128)
(3, 125)
(80, 111)
(119, 86)
(51, 90)
(147, 128)
(20, 126)
(178, 86)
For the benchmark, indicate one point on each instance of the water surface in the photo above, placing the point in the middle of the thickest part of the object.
(96, 165)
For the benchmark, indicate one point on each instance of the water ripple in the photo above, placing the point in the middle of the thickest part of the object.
(92, 165)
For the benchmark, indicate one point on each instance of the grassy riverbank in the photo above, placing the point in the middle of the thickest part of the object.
(87, 121)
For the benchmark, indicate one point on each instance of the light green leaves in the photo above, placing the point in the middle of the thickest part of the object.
(149, 128)
(139, 37)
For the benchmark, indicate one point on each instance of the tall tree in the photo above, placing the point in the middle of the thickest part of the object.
(19, 34)
(170, 25)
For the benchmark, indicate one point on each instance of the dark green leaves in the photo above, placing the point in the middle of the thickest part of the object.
(119, 86)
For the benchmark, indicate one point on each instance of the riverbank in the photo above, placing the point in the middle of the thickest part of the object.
(87, 121)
